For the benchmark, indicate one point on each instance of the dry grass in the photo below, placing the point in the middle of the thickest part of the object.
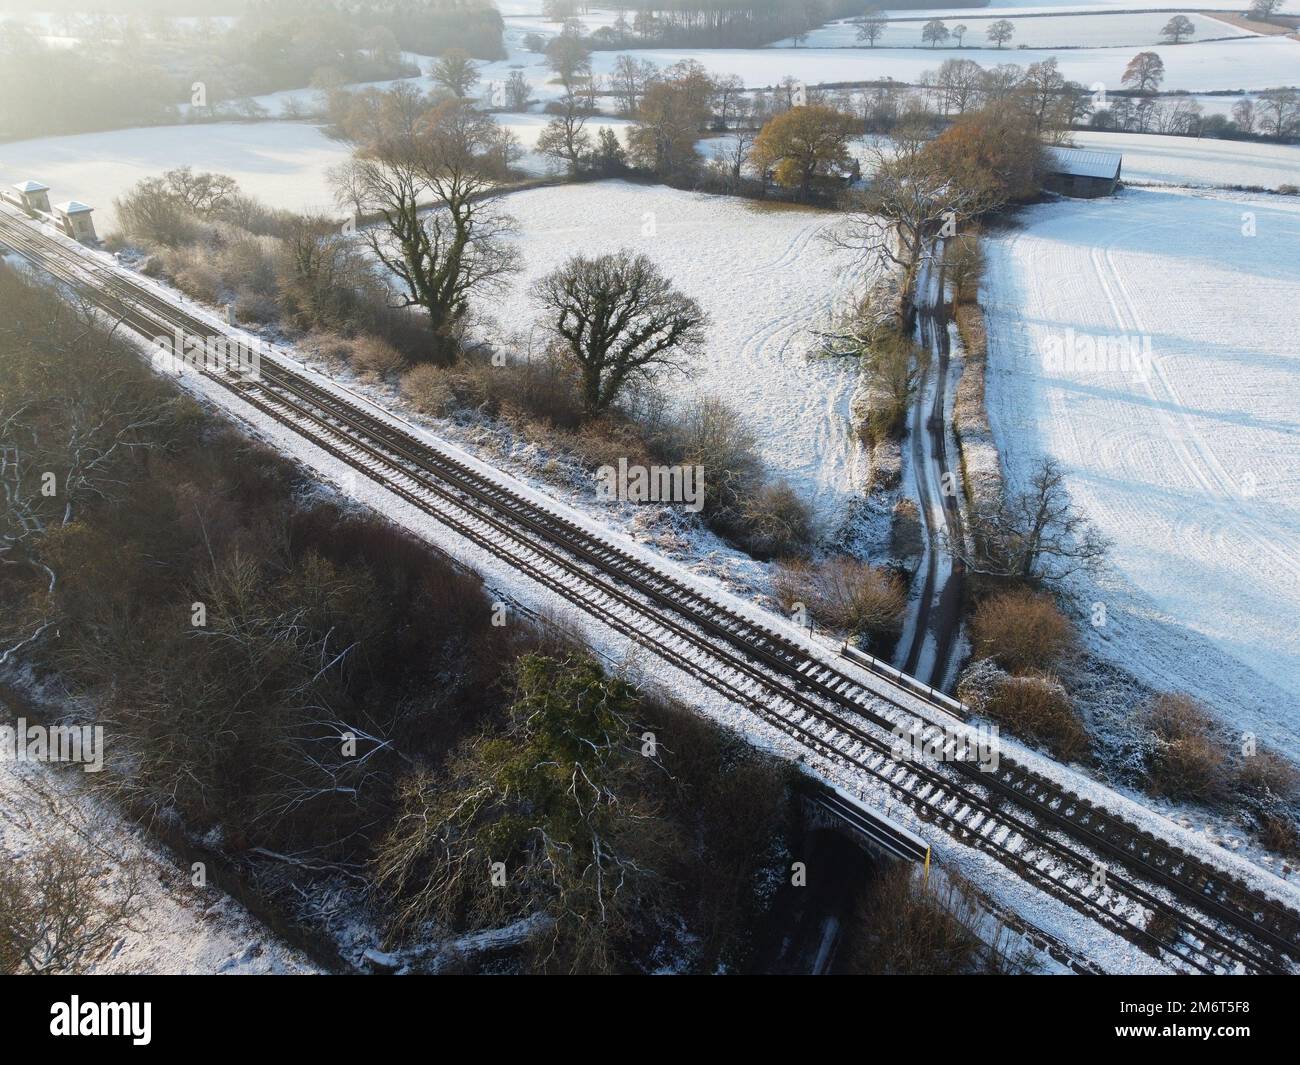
(1188, 760)
(845, 594)
(427, 389)
(372, 357)
(1022, 630)
(1034, 707)
(979, 456)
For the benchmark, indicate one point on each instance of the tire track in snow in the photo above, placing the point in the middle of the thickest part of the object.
(1196, 455)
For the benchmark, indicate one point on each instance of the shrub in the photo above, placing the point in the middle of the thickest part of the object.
(1278, 833)
(711, 434)
(330, 347)
(376, 358)
(1034, 707)
(1021, 630)
(847, 594)
(1266, 777)
(547, 388)
(255, 307)
(905, 531)
(1269, 787)
(150, 212)
(776, 522)
(427, 389)
(768, 519)
(592, 858)
(1187, 759)
(891, 365)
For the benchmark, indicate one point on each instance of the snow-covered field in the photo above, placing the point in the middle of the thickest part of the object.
(283, 164)
(1204, 67)
(1150, 157)
(1188, 457)
(1249, 63)
(765, 279)
(1050, 31)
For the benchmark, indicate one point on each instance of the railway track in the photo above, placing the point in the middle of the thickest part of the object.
(1176, 905)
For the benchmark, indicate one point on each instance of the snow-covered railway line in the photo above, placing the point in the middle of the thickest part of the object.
(1035, 826)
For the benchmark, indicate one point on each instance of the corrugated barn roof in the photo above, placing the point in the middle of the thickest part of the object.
(1080, 163)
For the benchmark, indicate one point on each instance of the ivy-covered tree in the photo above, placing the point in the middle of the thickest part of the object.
(550, 817)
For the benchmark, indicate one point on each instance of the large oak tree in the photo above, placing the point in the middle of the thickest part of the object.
(619, 319)
(804, 144)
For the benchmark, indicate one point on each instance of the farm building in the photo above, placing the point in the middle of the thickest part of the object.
(74, 218)
(1083, 173)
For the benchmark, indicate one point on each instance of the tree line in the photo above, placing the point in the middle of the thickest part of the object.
(134, 70)
(716, 24)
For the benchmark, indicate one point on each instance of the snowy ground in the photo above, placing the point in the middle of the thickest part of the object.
(1188, 458)
(1150, 157)
(284, 164)
(180, 929)
(1050, 31)
(766, 280)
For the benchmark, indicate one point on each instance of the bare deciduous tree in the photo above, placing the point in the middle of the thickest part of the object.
(565, 139)
(58, 909)
(871, 29)
(1035, 534)
(911, 198)
(620, 320)
(518, 91)
(729, 160)
(934, 32)
(1000, 32)
(629, 80)
(1177, 28)
(71, 416)
(451, 163)
(1144, 73)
